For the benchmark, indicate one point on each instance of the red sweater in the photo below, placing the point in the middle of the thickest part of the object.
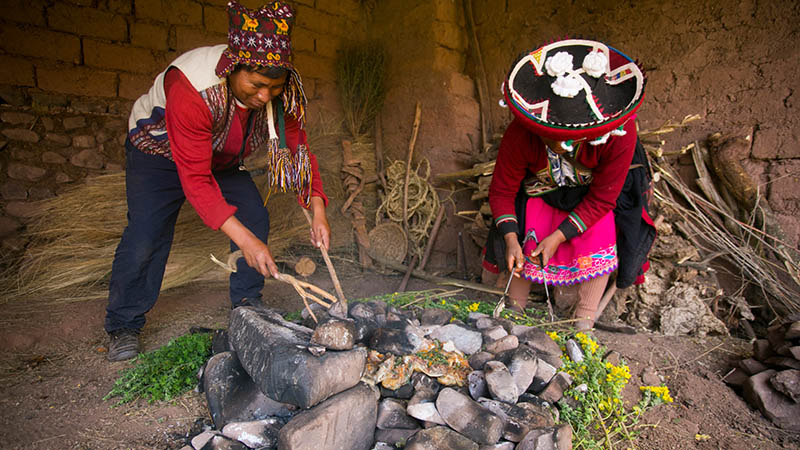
(522, 152)
(189, 130)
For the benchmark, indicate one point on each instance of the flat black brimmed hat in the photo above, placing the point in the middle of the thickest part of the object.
(573, 89)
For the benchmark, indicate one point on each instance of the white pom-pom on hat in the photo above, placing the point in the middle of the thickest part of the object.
(595, 64)
(558, 64)
(568, 86)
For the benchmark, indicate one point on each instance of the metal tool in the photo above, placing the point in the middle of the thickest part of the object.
(502, 303)
(546, 291)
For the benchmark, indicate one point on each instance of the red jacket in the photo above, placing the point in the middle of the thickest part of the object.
(188, 122)
(522, 153)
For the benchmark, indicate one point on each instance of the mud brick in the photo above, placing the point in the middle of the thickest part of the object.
(149, 9)
(23, 11)
(77, 81)
(16, 71)
(311, 65)
(183, 12)
(348, 8)
(87, 22)
(133, 86)
(188, 38)
(215, 20)
(449, 35)
(52, 44)
(447, 11)
(149, 36)
(327, 46)
(751, 366)
(118, 57)
(445, 59)
(323, 22)
(17, 118)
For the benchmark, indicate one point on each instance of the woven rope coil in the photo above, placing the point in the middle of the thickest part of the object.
(423, 202)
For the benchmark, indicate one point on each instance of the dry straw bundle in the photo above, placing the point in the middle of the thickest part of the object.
(73, 237)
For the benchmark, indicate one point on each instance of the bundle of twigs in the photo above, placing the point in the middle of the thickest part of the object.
(360, 69)
(712, 226)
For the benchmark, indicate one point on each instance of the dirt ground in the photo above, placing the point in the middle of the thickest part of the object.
(53, 374)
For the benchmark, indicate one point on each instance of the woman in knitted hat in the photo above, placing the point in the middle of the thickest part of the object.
(560, 169)
(187, 139)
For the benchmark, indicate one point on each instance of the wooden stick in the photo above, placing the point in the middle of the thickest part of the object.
(331, 270)
(444, 281)
(434, 232)
(482, 82)
(286, 278)
(404, 283)
(415, 130)
(379, 151)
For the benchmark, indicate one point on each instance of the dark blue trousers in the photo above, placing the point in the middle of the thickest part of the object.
(155, 197)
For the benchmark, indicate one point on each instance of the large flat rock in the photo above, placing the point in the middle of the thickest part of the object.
(275, 354)
(345, 421)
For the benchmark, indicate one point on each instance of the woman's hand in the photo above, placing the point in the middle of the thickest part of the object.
(547, 247)
(514, 257)
(320, 229)
(255, 252)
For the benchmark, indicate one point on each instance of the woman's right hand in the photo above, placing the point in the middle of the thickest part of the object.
(514, 256)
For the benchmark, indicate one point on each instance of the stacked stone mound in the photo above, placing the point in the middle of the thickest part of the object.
(770, 379)
(276, 384)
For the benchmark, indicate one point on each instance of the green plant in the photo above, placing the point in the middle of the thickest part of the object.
(360, 68)
(599, 418)
(164, 373)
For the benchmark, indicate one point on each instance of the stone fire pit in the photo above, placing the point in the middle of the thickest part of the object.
(382, 378)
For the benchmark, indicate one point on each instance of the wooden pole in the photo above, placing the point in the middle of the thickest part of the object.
(415, 130)
(331, 270)
(434, 232)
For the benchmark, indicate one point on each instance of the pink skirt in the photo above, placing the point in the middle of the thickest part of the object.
(588, 255)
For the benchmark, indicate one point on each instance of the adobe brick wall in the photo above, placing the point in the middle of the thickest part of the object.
(734, 63)
(72, 69)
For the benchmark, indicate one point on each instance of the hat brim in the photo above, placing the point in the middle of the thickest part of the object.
(602, 103)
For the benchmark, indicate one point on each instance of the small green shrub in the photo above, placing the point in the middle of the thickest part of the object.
(164, 373)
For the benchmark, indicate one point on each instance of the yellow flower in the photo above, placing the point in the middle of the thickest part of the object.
(553, 335)
(661, 392)
(473, 307)
(443, 302)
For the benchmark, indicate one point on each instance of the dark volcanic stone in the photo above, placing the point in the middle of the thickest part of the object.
(468, 417)
(435, 316)
(439, 438)
(335, 334)
(775, 406)
(345, 421)
(274, 353)
(232, 395)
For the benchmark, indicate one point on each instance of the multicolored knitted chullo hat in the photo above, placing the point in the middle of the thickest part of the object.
(574, 89)
(260, 38)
